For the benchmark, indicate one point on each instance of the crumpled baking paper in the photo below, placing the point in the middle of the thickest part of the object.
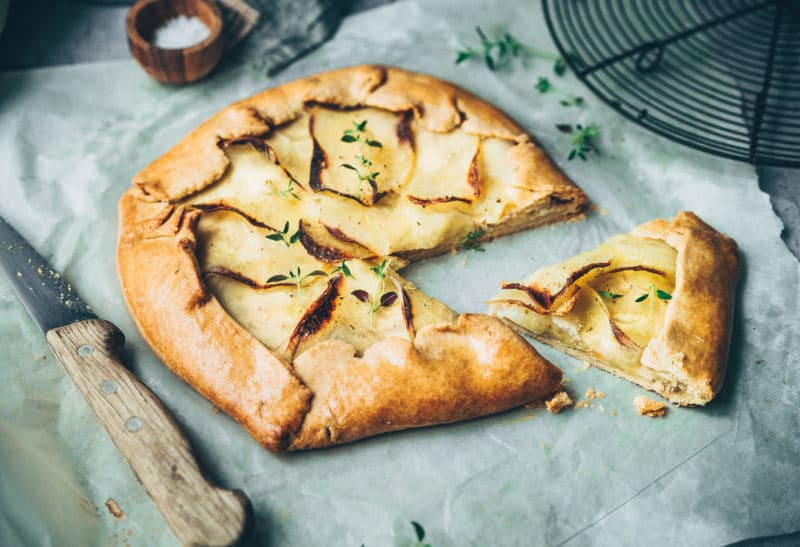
(71, 138)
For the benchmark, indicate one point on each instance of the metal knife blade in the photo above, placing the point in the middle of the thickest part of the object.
(51, 301)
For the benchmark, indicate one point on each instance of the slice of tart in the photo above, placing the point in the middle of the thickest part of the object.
(654, 306)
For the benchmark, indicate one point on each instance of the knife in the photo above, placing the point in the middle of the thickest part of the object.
(136, 420)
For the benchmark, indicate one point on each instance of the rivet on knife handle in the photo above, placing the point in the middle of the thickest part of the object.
(147, 436)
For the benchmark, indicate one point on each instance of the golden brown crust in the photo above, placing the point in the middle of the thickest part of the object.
(695, 339)
(397, 384)
(194, 336)
(685, 360)
(328, 395)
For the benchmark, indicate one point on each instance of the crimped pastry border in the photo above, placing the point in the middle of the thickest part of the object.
(193, 335)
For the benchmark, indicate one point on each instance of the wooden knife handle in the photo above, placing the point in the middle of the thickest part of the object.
(147, 436)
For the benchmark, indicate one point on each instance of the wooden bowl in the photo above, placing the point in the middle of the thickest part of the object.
(174, 66)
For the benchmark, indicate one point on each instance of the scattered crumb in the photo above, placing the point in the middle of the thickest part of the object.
(464, 263)
(565, 380)
(541, 445)
(582, 404)
(613, 412)
(592, 394)
(129, 532)
(604, 212)
(214, 410)
(602, 408)
(649, 407)
(40, 271)
(558, 402)
(115, 510)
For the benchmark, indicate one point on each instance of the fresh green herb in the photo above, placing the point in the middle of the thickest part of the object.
(344, 269)
(295, 273)
(609, 295)
(503, 48)
(559, 66)
(543, 85)
(287, 192)
(358, 135)
(583, 142)
(661, 295)
(378, 299)
(470, 241)
(419, 531)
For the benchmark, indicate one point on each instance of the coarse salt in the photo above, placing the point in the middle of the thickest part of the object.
(180, 32)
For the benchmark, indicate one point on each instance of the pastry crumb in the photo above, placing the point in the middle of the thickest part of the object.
(592, 394)
(649, 407)
(582, 404)
(541, 445)
(613, 412)
(601, 408)
(558, 402)
(114, 508)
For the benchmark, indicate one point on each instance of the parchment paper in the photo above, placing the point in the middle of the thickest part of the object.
(70, 140)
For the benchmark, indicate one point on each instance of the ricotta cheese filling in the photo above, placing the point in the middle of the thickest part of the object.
(294, 234)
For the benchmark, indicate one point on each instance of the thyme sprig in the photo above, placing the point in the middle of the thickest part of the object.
(378, 299)
(342, 268)
(358, 135)
(503, 49)
(661, 295)
(287, 192)
(543, 85)
(584, 140)
(295, 274)
(470, 241)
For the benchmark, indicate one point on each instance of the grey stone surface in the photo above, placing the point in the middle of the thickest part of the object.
(42, 33)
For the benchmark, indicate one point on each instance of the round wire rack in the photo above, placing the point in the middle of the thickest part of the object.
(722, 76)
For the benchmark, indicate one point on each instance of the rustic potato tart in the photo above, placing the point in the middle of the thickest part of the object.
(259, 256)
(654, 306)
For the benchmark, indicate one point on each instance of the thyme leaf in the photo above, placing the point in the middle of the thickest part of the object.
(344, 269)
(543, 85)
(287, 192)
(643, 297)
(419, 532)
(470, 241)
(584, 142)
(608, 295)
(663, 295)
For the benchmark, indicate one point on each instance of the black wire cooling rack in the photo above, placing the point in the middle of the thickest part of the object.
(722, 76)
